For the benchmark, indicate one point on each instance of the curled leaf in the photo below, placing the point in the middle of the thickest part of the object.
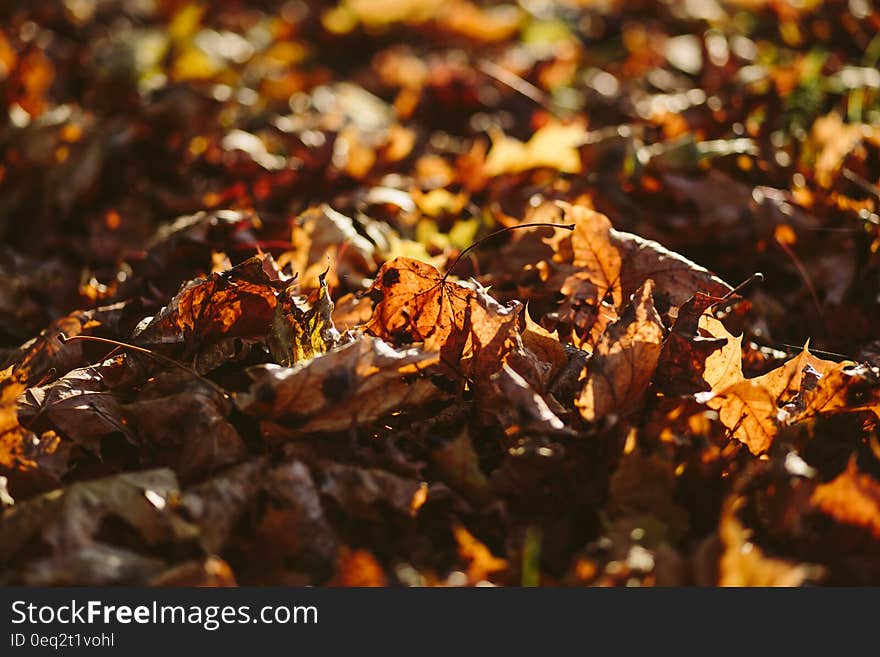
(300, 334)
(350, 385)
(624, 361)
(238, 302)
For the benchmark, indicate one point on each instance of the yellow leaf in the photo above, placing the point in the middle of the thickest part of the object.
(186, 21)
(554, 146)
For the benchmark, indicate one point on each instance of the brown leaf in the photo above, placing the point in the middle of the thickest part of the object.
(724, 366)
(676, 278)
(842, 389)
(686, 352)
(238, 302)
(593, 252)
(356, 383)
(642, 494)
(351, 311)
(292, 528)
(624, 361)
(29, 464)
(591, 289)
(608, 266)
(182, 423)
(469, 329)
(851, 498)
(751, 408)
(357, 568)
(217, 504)
(362, 492)
(519, 407)
(68, 522)
(459, 466)
(544, 345)
(743, 563)
(80, 406)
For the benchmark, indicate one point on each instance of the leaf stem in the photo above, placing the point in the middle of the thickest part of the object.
(499, 232)
(64, 339)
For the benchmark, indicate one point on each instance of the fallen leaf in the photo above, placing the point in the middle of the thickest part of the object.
(183, 423)
(459, 466)
(239, 302)
(358, 568)
(624, 360)
(481, 563)
(470, 330)
(364, 492)
(743, 563)
(851, 498)
(554, 146)
(300, 334)
(68, 521)
(356, 383)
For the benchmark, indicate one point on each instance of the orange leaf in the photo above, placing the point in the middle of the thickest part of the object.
(624, 361)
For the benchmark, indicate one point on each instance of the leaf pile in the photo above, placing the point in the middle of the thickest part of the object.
(245, 340)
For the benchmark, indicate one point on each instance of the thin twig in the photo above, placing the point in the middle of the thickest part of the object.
(757, 277)
(866, 185)
(64, 339)
(499, 232)
(806, 278)
(820, 352)
(515, 82)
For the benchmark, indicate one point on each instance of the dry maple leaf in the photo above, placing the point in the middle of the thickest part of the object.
(743, 563)
(469, 329)
(624, 360)
(593, 252)
(80, 406)
(238, 302)
(545, 346)
(47, 354)
(686, 351)
(842, 389)
(603, 266)
(752, 408)
(591, 291)
(352, 384)
(851, 498)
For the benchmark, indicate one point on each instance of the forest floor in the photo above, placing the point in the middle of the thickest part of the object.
(422, 292)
